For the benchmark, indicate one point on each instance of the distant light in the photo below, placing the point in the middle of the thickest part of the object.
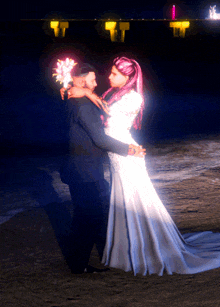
(54, 24)
(179, 28)
(213, 14)
(114, 27)
(173, 12)
(111, 26)
(123, 26)
(180, 24)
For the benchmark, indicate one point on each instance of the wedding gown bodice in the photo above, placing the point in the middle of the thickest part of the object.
(122, 114)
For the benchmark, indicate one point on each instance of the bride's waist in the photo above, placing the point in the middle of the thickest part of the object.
(114, 130)
(122, 135)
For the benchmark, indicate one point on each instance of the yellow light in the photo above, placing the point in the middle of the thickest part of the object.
(54, 24)
(123, 26)
(179, 28)
(110, 25)
(57, 25)
(64, 24)
(113, 27)
(179, 24)
(185, 24)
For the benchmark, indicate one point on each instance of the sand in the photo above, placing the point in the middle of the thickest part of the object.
(34, 272)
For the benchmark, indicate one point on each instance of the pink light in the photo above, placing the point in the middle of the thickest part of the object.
(173, 12)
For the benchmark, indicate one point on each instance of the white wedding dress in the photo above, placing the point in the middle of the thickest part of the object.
(141, 235)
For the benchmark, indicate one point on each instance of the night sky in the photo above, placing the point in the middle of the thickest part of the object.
(180, 75)
(98, 9)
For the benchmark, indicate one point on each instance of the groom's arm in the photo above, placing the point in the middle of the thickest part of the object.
(89, 118)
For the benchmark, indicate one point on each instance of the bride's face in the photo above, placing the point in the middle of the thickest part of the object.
(116, 78)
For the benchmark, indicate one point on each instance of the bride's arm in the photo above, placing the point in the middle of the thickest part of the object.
(78, 92)
(96, 99)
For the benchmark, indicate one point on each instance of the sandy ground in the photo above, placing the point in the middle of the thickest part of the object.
(34, 273)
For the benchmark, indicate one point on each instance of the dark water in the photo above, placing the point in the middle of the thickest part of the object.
(180, 79)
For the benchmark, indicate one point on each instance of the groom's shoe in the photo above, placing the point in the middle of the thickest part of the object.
(75, 267)
(77, 270)
(80, 268)
(91, 269)
(88, 269)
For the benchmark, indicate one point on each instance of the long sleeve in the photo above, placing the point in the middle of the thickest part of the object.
(88, 117)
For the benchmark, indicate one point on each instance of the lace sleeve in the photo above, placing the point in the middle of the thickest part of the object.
(123, 113)
(132, 103)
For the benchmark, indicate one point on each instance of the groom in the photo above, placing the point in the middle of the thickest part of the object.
(84, 174)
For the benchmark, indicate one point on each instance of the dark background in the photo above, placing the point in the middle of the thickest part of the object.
(13, 10)
(181, 79)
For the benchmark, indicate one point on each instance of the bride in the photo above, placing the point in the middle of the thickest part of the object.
(141, 235)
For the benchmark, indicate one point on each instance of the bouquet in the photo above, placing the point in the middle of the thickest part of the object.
(63, 71)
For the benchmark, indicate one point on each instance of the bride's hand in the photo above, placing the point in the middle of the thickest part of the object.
(79, 92)
(136, 151)
(97, 100)
(76, 92)
(62, 91)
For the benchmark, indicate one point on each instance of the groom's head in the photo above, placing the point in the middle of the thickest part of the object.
(85, 77)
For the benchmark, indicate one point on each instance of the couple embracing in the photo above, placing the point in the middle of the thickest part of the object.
(128, 223)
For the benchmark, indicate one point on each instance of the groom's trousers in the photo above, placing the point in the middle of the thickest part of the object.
(89, 223)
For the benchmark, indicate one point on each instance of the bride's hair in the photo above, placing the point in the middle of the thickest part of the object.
(130, 68)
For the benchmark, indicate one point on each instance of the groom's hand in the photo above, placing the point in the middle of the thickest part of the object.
(136, 151)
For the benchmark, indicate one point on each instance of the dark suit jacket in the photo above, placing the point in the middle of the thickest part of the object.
(88, 143)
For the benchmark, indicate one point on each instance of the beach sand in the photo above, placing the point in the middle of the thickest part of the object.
(34, 272)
